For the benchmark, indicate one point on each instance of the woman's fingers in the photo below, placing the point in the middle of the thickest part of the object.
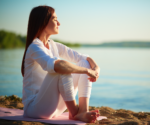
(92, 79)
(93, 75)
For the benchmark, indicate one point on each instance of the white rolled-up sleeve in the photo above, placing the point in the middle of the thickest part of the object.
(39, 54)
(69, 54)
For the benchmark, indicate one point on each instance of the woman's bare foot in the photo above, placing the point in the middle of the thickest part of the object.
(88, 117)
(97, 111)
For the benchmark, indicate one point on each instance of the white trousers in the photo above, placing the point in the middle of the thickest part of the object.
(56, 89)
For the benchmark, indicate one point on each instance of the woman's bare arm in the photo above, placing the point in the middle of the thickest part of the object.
(64, 67)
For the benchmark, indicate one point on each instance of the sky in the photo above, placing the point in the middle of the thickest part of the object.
(84, 21)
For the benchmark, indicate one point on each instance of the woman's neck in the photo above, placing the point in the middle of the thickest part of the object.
(44, 38)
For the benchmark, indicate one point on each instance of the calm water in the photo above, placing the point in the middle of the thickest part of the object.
(124, 80)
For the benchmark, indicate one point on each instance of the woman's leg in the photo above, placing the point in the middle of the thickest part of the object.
(66, 89)
(49, 102)
(53, 98)
(84, 87)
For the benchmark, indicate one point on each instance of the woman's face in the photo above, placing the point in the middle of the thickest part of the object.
(52, 26)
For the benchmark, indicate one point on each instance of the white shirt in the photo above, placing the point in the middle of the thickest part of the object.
(39, 61)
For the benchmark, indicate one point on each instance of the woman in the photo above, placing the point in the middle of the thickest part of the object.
(49, 83)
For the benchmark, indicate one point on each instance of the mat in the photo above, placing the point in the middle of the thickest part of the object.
(17, 114)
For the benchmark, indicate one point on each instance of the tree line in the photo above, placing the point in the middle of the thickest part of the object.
(133, 44)
(9, 40)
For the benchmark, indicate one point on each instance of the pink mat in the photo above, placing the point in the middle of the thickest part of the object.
(17, 114)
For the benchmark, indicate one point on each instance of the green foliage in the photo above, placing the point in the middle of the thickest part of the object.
(68, 44)
(134, 44)
(11, 40)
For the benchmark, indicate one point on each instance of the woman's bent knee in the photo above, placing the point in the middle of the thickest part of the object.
(84, 63)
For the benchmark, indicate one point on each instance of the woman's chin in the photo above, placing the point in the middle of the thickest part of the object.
(56, 32)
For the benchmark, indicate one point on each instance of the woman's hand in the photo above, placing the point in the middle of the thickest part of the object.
(95, 70)
(93, 74)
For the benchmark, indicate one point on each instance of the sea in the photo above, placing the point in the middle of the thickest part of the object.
(124, 81)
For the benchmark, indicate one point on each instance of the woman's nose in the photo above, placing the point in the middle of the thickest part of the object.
(58, 23)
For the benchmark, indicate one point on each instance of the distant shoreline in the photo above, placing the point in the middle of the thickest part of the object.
(18, 41)
(131, 44)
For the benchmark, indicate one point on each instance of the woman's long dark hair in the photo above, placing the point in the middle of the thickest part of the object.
(38, 19)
